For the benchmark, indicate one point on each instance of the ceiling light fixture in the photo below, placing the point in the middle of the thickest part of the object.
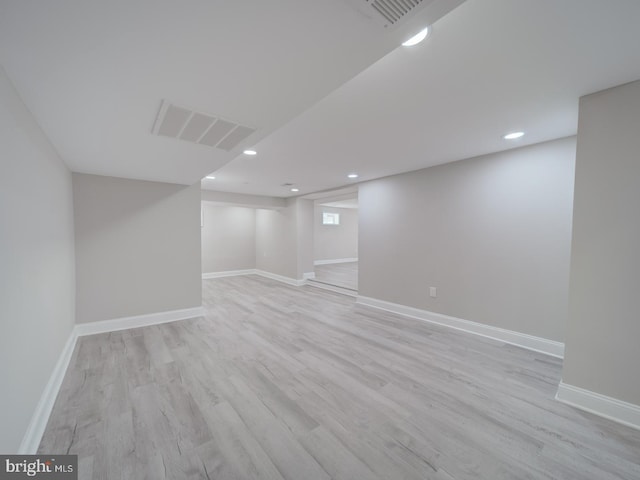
(210, 177)
(295, 189)
(250, 152)
(353, 175)
(417, 38)
(513, 135)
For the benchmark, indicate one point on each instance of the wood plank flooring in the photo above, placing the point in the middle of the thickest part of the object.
(344, 275)
(278, 382)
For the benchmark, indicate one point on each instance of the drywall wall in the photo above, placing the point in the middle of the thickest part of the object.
(228, 238)
(331, 242)
(137, 247)
(276, 240)
(36, 264)
(242, 200)
(492, 234)
(304, 236)
(602, 353)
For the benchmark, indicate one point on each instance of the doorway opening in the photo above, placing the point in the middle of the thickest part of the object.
(335, 242)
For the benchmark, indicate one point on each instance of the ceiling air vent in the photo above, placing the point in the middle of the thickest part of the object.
(388, 13)
(197, 127)
(394, 10)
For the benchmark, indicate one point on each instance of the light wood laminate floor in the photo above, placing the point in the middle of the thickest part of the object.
(344, 275)
(279, 382)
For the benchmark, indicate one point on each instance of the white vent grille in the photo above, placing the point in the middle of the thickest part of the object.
(197, 127)
(389, 13)
(393, 10)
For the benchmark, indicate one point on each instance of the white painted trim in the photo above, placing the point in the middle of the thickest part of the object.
(601, 405)
(530, 342)
(333, 288)
(263, 273)
(337, 260)
(280, 278)
(228, 273)
(40, 417)
(136, 321)
(309, 275)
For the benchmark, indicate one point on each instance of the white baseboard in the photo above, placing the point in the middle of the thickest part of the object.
(337, 260)
(40, 417)
(38, 423)
(309, 275)
(601, 405)
(333, 288)
(530, 342)
(136, 321)
(281, 278)
(263, 273)
(229, 273)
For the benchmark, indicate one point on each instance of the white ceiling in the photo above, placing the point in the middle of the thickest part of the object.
(94, 74)
(488, 68)
(351, 203)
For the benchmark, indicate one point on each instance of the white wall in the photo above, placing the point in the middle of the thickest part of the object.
(228, 238)
(331, 242)
(491, 233)
(242, 200)
(304, 240)
(602, 353)
(284, 239)
(137, 247)
(276, 240)
(36, 264)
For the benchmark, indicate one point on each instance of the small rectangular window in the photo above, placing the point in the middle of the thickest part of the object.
(329, 218)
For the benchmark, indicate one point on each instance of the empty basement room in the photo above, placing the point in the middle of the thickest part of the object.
(296, 239)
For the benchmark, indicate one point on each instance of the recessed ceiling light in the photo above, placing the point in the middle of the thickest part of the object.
(250, 152)
(353, 175)
(295, 189)
(210, 177)
(513, 135)
(417, 38)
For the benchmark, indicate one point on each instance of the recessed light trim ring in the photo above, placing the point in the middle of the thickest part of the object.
(513, 135)
(417, 38)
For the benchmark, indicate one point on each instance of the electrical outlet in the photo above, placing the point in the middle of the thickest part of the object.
(433, 292)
